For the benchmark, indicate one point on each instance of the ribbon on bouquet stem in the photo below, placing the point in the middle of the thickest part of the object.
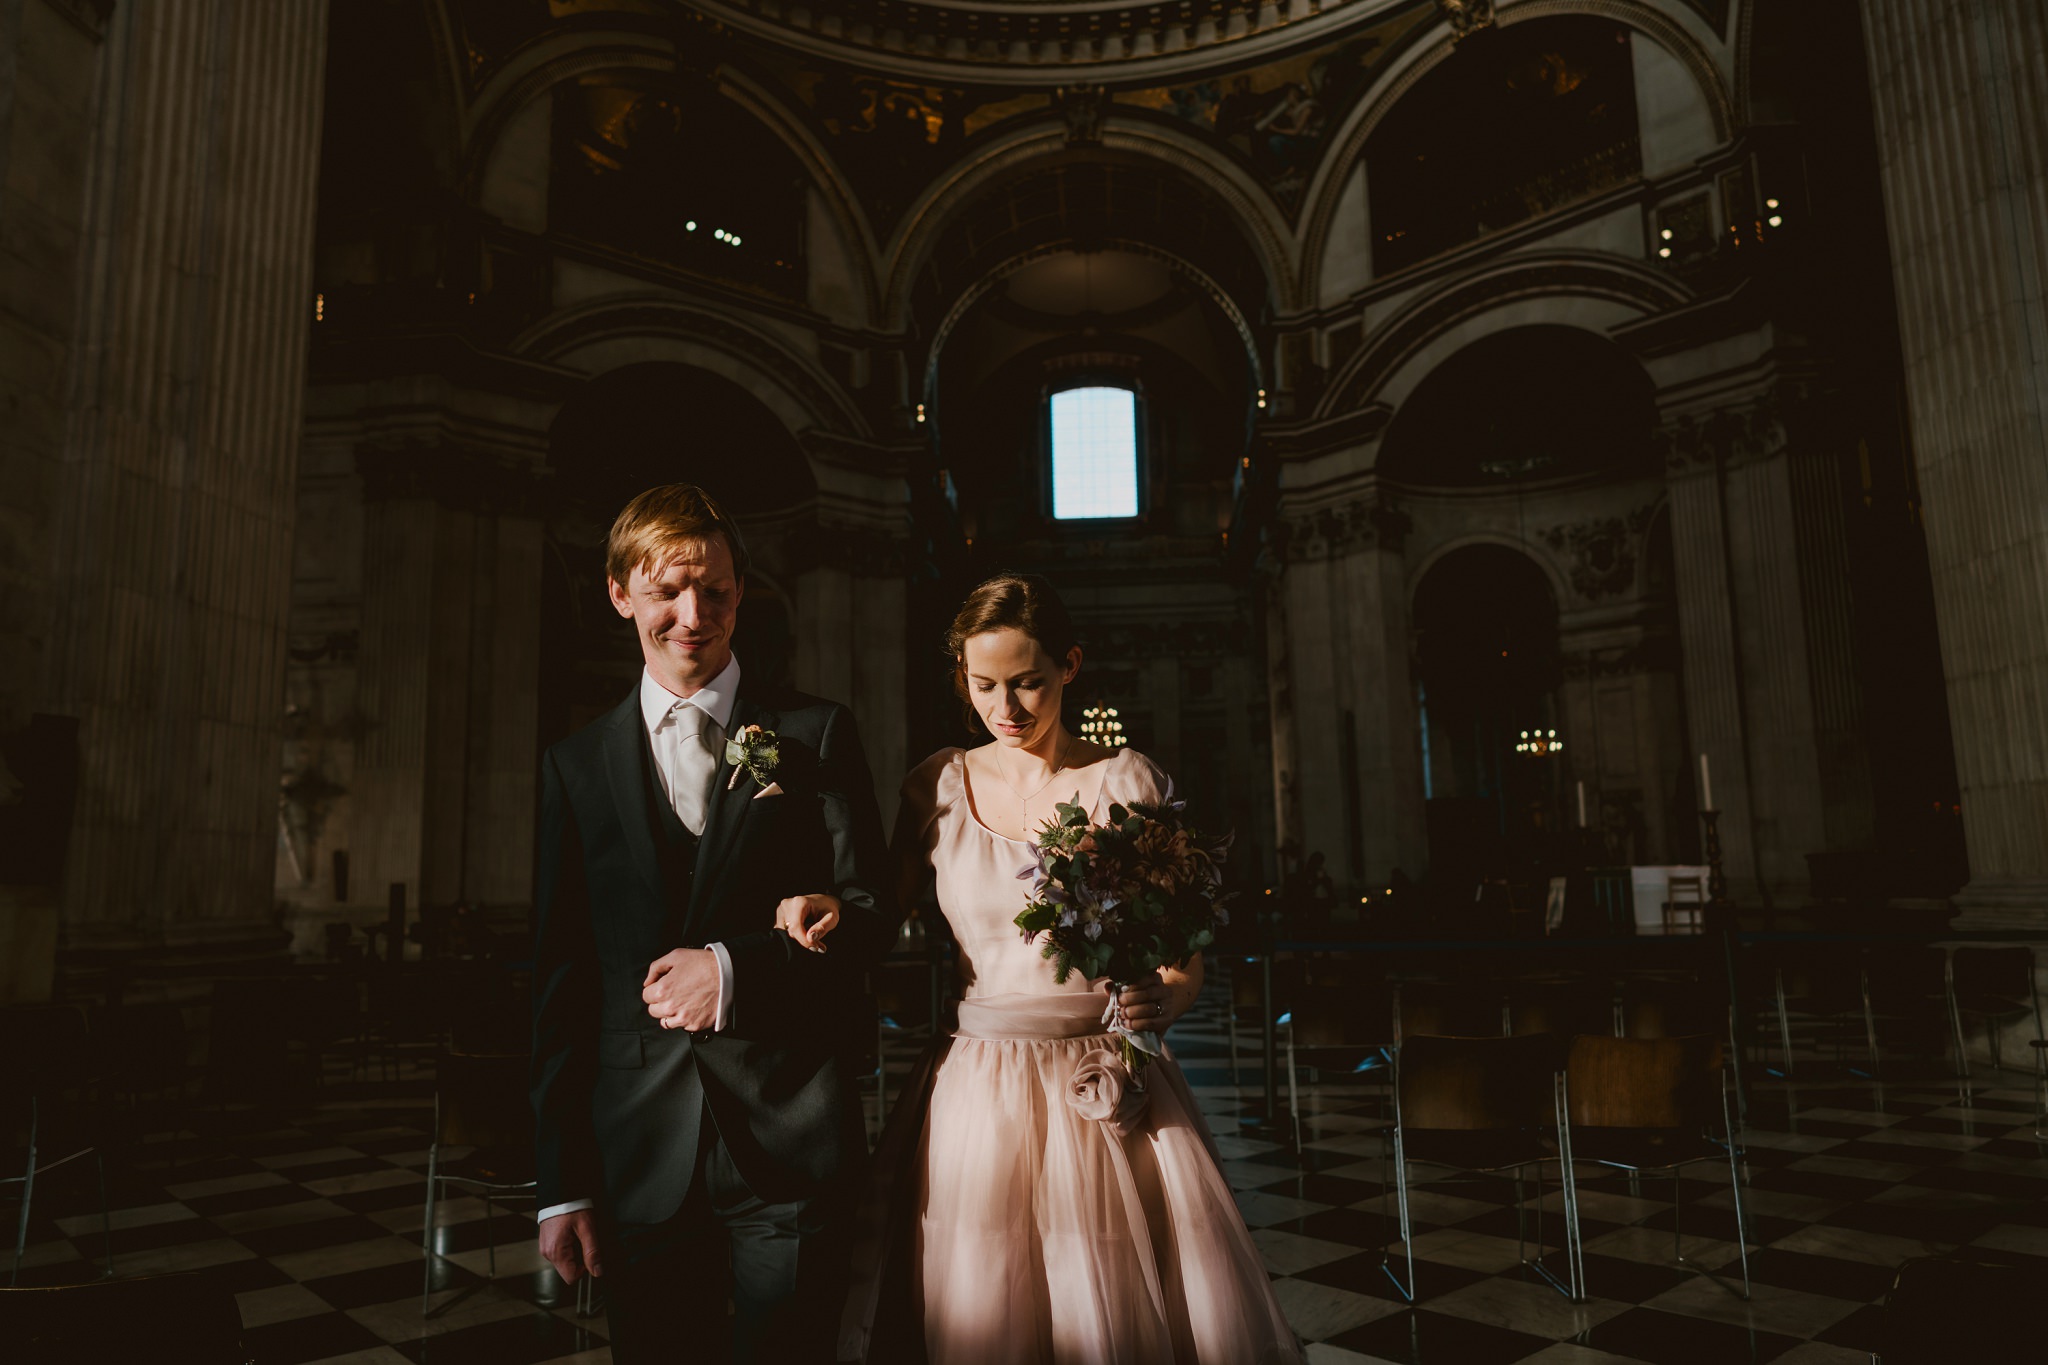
(1137, 1045)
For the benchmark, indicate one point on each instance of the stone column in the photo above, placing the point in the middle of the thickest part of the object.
(1344, 646)
(171, 550)
(1961, 93)
(851, 621)
(443, 792)
(1770, 681)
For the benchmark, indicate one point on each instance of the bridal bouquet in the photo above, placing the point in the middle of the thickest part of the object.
(1123, 899)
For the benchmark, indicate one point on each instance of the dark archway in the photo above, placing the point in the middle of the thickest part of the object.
(623, 432)
(1527, 404)
(1488, 669)
(1523, 120)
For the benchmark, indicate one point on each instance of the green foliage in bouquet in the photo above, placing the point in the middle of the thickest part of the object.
(1124, 898)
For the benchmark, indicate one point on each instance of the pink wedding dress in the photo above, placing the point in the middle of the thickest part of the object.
(1044, 1238)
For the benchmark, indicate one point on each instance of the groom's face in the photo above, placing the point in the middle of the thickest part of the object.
(683, 611)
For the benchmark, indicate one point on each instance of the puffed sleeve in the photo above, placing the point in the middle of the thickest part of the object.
(1137, 779)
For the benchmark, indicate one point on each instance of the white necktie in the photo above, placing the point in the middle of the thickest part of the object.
(697, 744)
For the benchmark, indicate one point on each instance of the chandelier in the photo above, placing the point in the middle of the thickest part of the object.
(1099, 725)
(1540, 743)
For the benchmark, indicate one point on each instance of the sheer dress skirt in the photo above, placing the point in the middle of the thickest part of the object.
(1045, 1238)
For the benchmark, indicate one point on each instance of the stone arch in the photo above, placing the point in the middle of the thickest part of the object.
(566, 56)
(1553, 572)
(1241, 323)
(1583, 289)
(1180, 153)
(621, 329)
(1535, 403)
(1684, 34)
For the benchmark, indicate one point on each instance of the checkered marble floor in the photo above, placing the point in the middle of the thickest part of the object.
(311, 1216)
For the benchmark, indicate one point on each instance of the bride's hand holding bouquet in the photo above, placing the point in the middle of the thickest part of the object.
(1123, 899)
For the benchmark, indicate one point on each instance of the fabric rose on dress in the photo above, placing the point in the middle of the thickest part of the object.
(1103, 1089)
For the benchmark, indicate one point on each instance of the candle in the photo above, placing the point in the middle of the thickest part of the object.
(1706, 785)
(1582, 805)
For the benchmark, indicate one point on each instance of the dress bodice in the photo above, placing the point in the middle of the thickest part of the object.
(976, 869)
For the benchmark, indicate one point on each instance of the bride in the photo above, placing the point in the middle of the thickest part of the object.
(1042, 1235)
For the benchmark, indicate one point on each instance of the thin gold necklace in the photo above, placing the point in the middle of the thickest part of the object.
(1058, 767)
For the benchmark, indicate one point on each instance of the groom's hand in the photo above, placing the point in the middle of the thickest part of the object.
(681, 990)
(569, 1241)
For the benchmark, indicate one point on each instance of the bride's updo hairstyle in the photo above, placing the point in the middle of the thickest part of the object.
(1009, 601)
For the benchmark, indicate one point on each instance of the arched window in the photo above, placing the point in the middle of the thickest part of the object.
(1094, 430)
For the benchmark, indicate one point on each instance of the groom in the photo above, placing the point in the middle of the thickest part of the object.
(698, 1132)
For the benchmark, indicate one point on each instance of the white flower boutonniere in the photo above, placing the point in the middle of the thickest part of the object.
(752, 750)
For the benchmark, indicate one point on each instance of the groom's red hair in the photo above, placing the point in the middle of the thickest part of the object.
(661, 521)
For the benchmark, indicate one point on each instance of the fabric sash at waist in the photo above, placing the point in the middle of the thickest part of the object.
(1032, 1018)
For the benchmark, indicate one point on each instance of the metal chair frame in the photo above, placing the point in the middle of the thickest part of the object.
(1571, 1287)
(35, 1167)
(1378, 1057)
(27, 1181)
(2019, 1007)
(1734, 1152)
(435, 1179)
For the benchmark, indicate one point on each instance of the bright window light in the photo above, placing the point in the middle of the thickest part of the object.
(1094, 453)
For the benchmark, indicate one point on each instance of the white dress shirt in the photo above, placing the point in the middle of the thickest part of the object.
(658, 706)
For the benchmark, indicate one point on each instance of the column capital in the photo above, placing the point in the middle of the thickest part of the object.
(1372, 521)
(1736, 432)
(451, 474)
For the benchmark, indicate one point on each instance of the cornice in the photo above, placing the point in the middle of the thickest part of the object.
(1035, 45)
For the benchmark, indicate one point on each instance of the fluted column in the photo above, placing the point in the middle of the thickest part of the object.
(171, 555)
(1961, 95)
(1770, 680)
(851, 620)
(1354, 792)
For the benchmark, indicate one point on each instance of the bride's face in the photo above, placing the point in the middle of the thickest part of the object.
(1016, 686)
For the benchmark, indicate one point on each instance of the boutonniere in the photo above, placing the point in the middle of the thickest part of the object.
(752, 750)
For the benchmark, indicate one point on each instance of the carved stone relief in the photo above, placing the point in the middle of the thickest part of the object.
(1603, 551)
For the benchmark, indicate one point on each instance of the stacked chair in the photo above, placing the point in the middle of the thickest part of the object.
(1519, 1104)
(480, 1104)
(1992, 986)
(1651, 1106)
(50, 1101)
(1483, 1106)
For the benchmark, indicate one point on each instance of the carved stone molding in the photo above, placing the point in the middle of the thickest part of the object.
(1730, 435)
(1082, 108)
(1655, 653)
(863, 551)
(1342, 529)
(1603, 551)
(451, 475)
(1466, 17)
(1126, 640)
(1004, 42)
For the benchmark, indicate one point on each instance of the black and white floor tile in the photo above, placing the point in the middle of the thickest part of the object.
(311, 1217)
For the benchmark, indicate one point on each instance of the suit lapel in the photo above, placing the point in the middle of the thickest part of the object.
(625, 743)
(730, 803)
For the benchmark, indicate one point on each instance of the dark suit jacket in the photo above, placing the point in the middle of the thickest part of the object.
(617, 1098)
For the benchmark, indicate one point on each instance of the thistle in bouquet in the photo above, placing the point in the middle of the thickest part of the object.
(1122, 899)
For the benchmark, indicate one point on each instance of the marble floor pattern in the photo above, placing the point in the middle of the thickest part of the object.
(310, 1215)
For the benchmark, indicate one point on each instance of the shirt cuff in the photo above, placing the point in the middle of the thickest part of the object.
(724, 986)
(557, 1210)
